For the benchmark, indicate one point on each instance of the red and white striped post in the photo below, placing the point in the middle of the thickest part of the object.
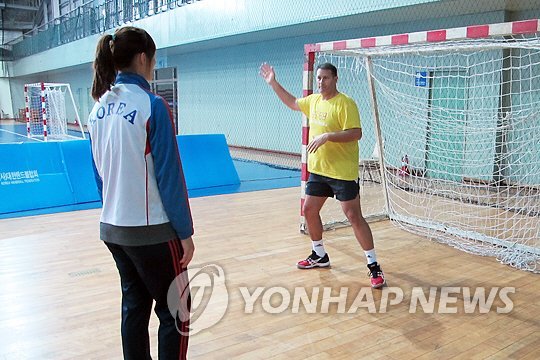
(44, 111)
(27, 110)
(307, 80)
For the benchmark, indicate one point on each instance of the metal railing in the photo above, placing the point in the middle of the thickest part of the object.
(94, 17)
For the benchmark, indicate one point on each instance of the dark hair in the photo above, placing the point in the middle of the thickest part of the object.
(115, 53)
(328, 66)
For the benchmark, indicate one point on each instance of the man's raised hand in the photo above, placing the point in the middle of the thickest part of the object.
(267, 73)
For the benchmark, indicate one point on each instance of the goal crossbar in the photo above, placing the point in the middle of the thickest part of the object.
(432, 36)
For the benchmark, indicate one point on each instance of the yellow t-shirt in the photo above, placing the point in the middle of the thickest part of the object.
(333, 159)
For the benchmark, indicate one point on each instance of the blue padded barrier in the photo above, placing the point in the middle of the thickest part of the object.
(45, 175)
(78, 161)
(206, 161)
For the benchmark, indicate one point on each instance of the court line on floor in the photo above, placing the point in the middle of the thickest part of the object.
(24, 136)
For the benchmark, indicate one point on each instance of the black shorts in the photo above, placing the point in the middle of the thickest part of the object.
(322, 186)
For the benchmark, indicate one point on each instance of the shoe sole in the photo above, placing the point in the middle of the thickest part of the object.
(323, 265)
(378, 286)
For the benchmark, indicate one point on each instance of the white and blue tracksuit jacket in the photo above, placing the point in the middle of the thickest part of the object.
(137, 165)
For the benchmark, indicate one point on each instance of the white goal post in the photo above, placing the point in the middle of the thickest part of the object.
(48, 106)
(451, 134)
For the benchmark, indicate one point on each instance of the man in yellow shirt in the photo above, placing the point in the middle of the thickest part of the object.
(334, 131)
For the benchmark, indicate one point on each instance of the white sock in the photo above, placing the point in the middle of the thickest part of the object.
(318, 247)
(370, 256)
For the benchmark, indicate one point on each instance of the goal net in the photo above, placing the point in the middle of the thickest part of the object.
(451, 134)
(47, 108)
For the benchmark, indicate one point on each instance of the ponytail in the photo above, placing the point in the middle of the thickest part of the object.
(104, 69)
(115, 53)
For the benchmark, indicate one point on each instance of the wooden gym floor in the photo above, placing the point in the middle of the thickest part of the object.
(60, 295)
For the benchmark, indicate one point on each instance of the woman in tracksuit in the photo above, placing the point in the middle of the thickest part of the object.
(146, 220)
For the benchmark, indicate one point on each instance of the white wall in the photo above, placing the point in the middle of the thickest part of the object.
(6, 105)
(6, 101)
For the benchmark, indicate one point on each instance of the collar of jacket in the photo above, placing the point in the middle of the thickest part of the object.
(132, 78)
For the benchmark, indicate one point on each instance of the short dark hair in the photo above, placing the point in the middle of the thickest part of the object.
(328, 66)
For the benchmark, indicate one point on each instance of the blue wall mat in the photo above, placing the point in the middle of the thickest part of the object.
(206, 161)
(77, 158)
(44, 175)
